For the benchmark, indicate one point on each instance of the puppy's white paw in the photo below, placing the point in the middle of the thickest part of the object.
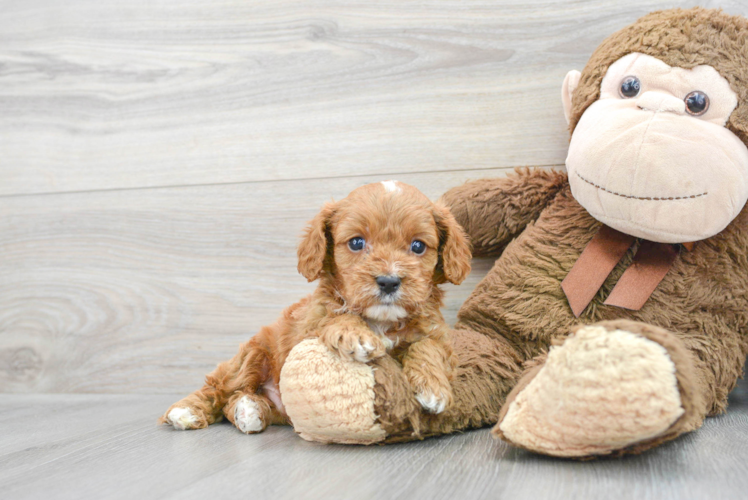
(363, 351)
(431, 402)
(182, 419)
(247, 416)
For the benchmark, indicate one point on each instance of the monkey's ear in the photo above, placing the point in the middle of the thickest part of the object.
(567, 89)
(454, 247)
(312, 251)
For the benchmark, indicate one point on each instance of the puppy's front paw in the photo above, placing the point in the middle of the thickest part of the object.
(356, 344)
(433, 392)
(433, 403)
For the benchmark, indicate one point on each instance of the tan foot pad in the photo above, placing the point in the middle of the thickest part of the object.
(329, 399)
(599, 392)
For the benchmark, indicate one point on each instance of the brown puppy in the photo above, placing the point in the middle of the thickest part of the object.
(379, 255)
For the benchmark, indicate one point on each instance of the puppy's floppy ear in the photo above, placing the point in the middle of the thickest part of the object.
(312, 251)
(454, 247)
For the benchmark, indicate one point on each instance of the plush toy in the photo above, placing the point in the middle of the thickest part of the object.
(615, 317)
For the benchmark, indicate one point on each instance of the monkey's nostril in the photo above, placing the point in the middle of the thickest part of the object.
(388, 284)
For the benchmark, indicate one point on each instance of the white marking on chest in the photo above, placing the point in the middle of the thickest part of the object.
(391, 186)
(380, 328)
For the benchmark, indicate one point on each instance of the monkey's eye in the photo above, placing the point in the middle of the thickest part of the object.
(356, 244)
(630, 87)
(418, 247)
(697, 103)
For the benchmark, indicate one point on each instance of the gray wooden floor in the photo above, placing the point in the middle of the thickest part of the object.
(109, 446)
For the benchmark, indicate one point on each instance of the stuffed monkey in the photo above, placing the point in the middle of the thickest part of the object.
(615, 317)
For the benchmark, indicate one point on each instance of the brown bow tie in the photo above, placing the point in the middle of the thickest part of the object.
(651, 263)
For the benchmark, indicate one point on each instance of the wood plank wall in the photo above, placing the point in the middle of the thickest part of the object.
(158, 160)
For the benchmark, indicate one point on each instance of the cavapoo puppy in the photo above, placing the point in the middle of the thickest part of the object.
(379, 255)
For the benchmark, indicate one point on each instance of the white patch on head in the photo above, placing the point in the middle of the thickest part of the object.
(431, 402)
(181, 418)
(391, 186)
(247, 416)
(385, 312)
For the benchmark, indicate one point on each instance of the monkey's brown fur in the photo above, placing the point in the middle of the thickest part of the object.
(531, 222)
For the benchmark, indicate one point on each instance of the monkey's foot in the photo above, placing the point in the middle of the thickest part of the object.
(609, 388)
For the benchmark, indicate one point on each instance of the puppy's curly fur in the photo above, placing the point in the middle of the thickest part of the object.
(352, 312)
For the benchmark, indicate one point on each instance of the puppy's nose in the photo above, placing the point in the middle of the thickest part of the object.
(388, 284)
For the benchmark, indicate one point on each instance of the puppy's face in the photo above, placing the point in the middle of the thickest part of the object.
(383, 248)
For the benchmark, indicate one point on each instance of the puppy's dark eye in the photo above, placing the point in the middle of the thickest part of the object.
(418, 247)
(356, 244)
(630, 87)
(697, 103)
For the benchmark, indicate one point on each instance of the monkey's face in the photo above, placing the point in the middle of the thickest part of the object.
(652, 157)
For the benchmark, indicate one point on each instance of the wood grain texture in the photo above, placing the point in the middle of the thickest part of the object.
(159, 159)
(107, 446)
(147, 290)
(109, 95)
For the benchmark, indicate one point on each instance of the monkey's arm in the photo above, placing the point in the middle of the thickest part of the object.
(493, 211)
